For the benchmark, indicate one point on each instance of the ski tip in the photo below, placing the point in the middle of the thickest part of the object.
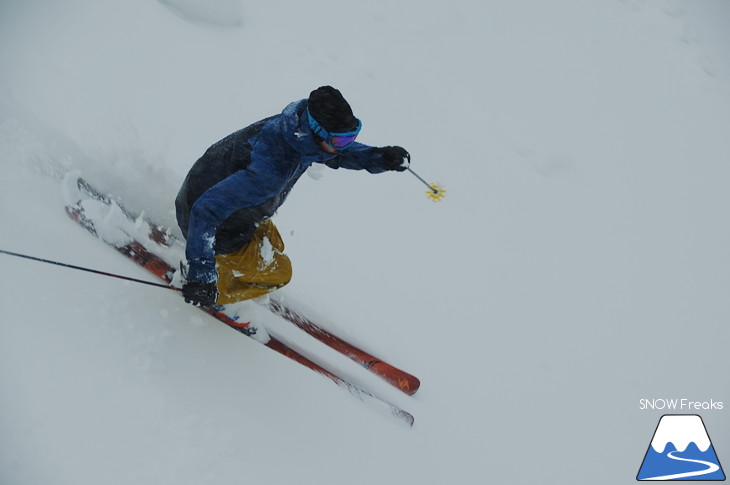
(398, 378)
(410, 386)
(405, 416)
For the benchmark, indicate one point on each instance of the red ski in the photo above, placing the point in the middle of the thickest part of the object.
(155, 265)
(402, 380)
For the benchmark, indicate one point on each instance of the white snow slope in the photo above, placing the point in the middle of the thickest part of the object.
(578, 264)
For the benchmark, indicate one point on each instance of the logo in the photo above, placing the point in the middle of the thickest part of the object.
(683, 404)
(680, 450)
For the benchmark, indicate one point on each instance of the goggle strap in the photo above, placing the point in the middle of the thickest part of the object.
(328, 137)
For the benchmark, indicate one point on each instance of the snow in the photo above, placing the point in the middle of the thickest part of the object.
(577, 264)
(267, 252)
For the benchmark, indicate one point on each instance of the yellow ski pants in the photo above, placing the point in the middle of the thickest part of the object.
(256, 269)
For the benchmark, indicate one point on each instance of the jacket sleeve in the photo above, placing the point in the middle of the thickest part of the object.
(359, 157)
(240, 190)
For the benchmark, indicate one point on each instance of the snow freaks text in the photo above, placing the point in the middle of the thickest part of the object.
(680, 404)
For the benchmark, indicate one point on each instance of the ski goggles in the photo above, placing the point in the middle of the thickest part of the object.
(339, 140)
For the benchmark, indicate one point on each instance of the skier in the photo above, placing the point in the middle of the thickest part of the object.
(224, 206)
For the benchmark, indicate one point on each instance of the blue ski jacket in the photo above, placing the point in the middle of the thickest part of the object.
(245, 178)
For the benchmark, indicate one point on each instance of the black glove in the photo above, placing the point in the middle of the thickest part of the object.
(200, 294)
(396, 158)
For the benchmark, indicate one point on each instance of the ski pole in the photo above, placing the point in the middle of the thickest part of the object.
(433, 189)
(435, 192)
(90, 270)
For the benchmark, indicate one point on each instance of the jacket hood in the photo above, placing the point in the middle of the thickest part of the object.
(294, 127)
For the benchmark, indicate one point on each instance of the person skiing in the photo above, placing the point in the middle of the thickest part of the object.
(224, 206)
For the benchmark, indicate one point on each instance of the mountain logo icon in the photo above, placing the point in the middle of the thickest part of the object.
(680, 450)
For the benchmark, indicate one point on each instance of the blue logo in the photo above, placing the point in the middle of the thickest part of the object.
(680, 450)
